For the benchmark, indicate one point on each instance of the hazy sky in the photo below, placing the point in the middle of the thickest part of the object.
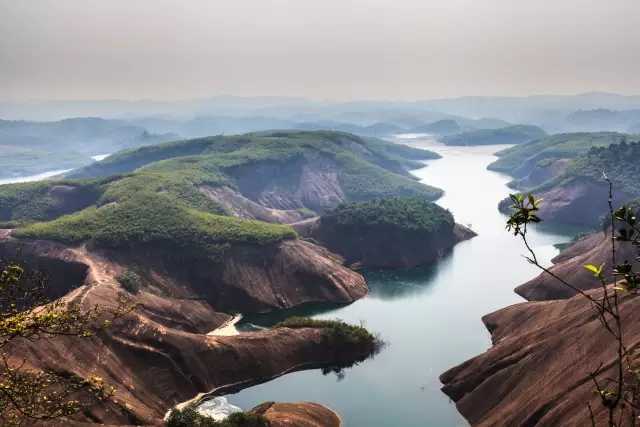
(325, 49)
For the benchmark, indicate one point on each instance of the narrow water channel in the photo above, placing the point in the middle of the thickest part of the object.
(430, 317)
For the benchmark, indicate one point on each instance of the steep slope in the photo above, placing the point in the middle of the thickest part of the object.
(161, 354)
(538, 370)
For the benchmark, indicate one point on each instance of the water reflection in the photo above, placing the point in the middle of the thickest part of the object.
(394, 284)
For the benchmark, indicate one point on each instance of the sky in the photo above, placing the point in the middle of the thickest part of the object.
(320, 49)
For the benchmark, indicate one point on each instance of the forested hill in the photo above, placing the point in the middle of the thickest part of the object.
(620, 162)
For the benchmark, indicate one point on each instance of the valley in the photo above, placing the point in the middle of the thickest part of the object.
(428, 317)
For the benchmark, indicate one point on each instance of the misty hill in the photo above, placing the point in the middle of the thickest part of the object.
(35, 147)
(603, 120)
(518, 134)
(547, 111)
(535, 162)
(441, 127)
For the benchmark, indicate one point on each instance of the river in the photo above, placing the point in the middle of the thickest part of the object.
(46, 175)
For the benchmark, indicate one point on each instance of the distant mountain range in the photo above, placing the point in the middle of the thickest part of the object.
(547, 111)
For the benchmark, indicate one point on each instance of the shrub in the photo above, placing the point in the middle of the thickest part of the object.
(412, 214)
(189, 417)
(338, 331)
(131, 281)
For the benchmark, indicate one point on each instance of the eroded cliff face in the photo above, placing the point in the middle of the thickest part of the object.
(593, 249)
(250, 278)
(239, 206)
(294, 184)
(160, 354)
(538, 370)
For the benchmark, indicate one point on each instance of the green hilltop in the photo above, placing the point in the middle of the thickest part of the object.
(153, 194)
(408, 214)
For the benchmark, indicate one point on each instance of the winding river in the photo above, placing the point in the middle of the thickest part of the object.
(429, 318)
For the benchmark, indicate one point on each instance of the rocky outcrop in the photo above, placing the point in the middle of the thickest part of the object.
(462, 233)
(304, 414)
(577, 202)
(291, 185)
(538, 370)
(237, 205)
(593, 249)
(160, 354)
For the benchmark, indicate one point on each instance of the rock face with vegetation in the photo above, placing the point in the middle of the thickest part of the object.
(579, 194)
(388, 233)
(518, 134)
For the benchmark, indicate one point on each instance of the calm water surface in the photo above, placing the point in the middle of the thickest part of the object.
(430, 318)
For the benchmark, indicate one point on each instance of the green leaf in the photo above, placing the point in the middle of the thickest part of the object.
(596, 271)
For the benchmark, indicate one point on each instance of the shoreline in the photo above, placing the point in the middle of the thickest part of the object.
(228, 328)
